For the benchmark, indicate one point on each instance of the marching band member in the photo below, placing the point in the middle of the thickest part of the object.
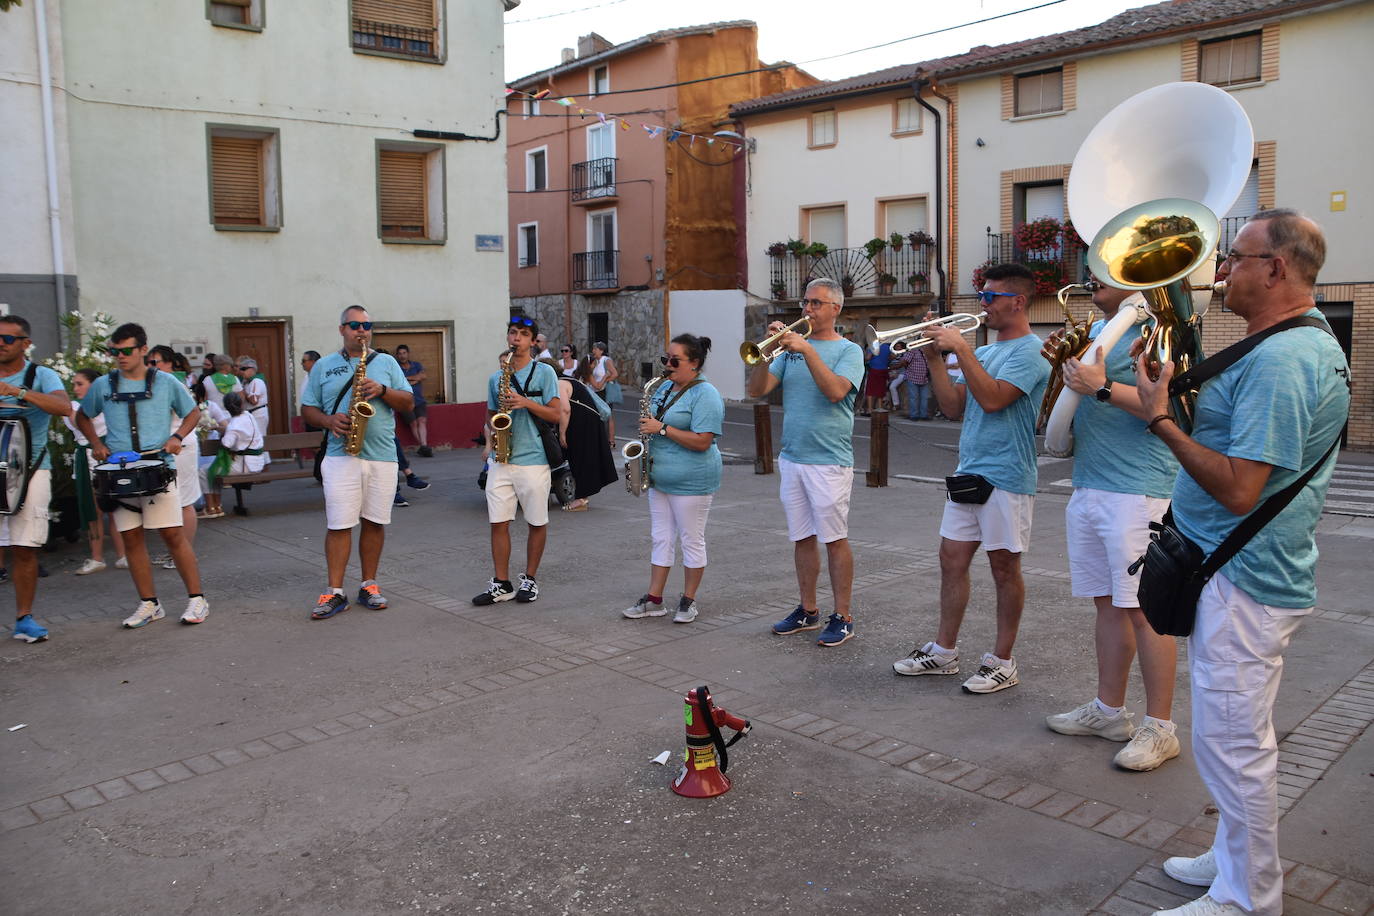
(138, 403)
(1122, 477)
(358, 488)
(36, 394)
(522, 388)
(820, 379)
(684, 419)
(999, 397)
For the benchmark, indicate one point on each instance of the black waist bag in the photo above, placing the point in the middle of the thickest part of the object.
(1172, 579)
(968, 488)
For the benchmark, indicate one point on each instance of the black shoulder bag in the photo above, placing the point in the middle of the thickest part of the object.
(324, 437)
(1175, 568)
(561, 481)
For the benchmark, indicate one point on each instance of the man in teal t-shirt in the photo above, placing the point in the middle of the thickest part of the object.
(820, 376)
(1258, 426)
(998, 397)
(358, 488)
(523, 479)
(31, 394)
(1122, 478)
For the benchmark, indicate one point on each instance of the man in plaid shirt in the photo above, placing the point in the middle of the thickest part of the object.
(917, 375)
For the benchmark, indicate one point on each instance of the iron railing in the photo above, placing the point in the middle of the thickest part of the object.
(596, 270)
(903, 271)
(1230, 228)
(593, 179)
(1054, 266)
(395, 39)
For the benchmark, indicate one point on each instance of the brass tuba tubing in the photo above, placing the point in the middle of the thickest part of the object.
(765, 350)
(913, 335)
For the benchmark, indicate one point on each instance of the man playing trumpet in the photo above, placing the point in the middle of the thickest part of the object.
(820, 379)
(993, 491)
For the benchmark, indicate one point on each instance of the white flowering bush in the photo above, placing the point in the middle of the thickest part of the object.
(87, 338)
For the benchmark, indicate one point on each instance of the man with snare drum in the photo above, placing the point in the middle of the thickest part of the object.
(29, 395)
(138, 403)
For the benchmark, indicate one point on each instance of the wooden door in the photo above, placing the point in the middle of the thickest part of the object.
(426, 348)
(265, 342)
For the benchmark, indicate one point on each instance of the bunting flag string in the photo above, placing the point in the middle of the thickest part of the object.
(654, 131)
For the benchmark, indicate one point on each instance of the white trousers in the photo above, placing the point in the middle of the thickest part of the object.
(679, 519)
(1235, 659)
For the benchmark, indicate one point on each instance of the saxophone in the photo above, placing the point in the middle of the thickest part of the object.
(638, 461)
(501, 421)
(360, 410)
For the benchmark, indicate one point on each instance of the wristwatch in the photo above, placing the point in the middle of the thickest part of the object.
(663, 430)
(1104, 394)
(23, 394)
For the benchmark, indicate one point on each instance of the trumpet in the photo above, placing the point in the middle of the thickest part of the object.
(913, 335)
(766, 349)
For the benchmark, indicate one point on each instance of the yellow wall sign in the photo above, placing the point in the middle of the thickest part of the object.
(1337, 201)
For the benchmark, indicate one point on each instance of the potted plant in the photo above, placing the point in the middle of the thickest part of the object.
(796, 246)
(847, 285)
(886, 284)
(1039, 234)
(895, 240)
(777, 249)
(779, 289)
(818, 250)
(919, 237)
(873, 246)
(917, 281)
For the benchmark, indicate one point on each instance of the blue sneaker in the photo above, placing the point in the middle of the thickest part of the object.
(416, 482)
(837, 631)
(27, 629)
(399, 500)
(797, 621)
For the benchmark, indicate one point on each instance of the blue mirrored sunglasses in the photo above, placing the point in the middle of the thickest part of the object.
(987, 296)
(520, 321)
(11, 338)
(358, 325)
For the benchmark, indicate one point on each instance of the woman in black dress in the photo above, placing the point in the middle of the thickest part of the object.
(585, 442)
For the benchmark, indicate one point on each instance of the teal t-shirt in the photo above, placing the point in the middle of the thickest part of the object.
(154, 413)
(334, 372)
(1282, 403)
(45, 381)
(677, 470)
(541, 386)
(814, 430)
(1112, 449)
(1001, 446)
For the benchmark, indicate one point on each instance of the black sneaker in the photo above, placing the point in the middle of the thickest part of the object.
(497, 590)
(528, 590)
(425, 451)
(416, 482)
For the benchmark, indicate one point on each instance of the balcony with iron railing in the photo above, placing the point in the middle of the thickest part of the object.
(593, 180)
(861, 272)
(387, 38)
(1056, 259)
(594, 270)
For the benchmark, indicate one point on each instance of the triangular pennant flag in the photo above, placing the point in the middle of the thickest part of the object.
(601, 116)
(624, 125)
(692, 142)
(710, 141)
(541, 94)
(565, 102)
(510, 92)
(674, 135)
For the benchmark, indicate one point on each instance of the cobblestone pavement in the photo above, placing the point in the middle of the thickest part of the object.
(437, 757)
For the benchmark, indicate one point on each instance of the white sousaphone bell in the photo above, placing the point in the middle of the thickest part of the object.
(1175, 156)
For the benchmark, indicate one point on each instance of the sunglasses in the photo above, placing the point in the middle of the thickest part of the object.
(565, 350)
(520, 321)
(988, 297)
(246, 368)
(672, 362)
(358, 325)
(122, 351)
(11, 338)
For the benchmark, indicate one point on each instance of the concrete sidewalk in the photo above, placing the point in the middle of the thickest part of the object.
(437, 757)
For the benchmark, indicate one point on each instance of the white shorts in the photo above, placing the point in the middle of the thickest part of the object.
(1001, 523)
(188, 471)
(1107, 532)
(677, 519)
(524, 484)
(355, 488)
(29, 526)
(815, 498)
(162, 510)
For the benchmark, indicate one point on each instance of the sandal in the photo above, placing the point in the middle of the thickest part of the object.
(576, 507)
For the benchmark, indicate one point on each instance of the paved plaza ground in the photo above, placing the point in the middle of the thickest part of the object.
(437, 757)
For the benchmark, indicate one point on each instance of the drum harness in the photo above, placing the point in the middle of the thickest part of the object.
(130, 398)
(29, 374)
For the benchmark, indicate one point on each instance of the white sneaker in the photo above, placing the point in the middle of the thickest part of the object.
(1150, 747)
(169, 563)
(992, 676)
(197, 609)
(1199, 872)
(686, 611)
(1203, 906)
(122, 563)
(644, 608)
(925, 660)
(1089, 719)
(90, 566)
(147, 612)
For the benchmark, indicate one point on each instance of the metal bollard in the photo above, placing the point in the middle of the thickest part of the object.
(763, 439)
(877, 450)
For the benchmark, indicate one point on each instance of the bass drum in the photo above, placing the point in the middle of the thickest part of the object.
(14, 464)
(1059, 427)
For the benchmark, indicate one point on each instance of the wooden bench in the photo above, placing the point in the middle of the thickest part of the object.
(288, 462)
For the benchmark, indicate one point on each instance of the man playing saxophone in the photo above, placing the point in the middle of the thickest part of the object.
(519, 477)
(358, 472)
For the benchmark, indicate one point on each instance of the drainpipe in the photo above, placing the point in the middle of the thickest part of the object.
(942, 304)
(50, 160)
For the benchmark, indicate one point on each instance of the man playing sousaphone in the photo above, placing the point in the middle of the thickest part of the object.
(138, 403)
(1122, 478)
(29, 395)
(992, 492)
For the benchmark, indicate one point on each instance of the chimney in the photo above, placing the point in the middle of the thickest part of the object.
(568, 55)
(590, 44)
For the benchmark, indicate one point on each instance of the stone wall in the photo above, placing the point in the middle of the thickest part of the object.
(634, 326)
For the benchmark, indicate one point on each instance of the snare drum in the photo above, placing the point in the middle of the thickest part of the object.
(14, 464)
(127, 479)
